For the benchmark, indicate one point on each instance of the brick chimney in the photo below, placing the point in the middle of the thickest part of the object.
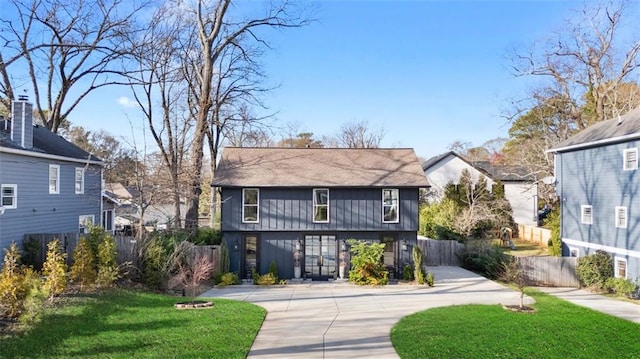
(22, 122)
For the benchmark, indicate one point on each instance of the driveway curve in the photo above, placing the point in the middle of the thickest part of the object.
(341, 320)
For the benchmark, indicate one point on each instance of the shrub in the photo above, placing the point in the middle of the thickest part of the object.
(108, 271)
(418, 272)
(83, 269)
(54, 270)
(513, 273)
(483, 258)
(13, 287)
(366, 267)
(437, 219)
(430, 279)
(229, 279)
(265, 279)
(594, 270)
(555, 242)
(407, 272)
(621, 286)
(153, 263)
(31, 246)
(35, 298)
(189, 270)
(273, 269)
(207, 236)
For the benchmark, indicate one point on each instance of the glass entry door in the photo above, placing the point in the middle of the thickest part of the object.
(320, 254)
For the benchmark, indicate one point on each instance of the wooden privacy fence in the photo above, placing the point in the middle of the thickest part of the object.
(551, 271)
(440, 253)
(534, 234)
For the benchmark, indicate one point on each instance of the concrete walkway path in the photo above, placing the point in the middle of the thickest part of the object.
(341, 320)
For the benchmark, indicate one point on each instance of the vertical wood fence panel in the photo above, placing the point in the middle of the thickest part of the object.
(440, 253)
(551, 271)
(534, 234)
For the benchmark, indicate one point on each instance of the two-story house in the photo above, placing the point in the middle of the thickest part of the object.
(598, 184)
(48, 185)
(301, 205)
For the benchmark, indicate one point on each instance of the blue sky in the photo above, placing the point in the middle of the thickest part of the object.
(428, 72)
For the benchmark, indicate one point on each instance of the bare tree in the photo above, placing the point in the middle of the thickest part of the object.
(69, 48)
(356, 135)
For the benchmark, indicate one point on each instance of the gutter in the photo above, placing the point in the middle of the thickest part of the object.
(49, 156)
(605, 141)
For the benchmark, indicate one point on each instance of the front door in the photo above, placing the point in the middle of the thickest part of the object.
(389, 256)
(320, 254)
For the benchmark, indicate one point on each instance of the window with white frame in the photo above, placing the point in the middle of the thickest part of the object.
(587, 214)
(85, 222)
(9, 196)
(620, 267)
(250, 205)
(574, 252)
(321, 205)
(54, 179)
(79, 180)
(621, 217)
(630, 158)
(390, 201)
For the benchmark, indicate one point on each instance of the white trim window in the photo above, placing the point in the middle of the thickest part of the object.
(79, 180)
(620, 267)
(390, 206)
(574, 252)
(621, 217)
(321, 205)
(9, 196)
(85, 222)
(250, 205)
(586, 214)
(630, 159)
(54, 179)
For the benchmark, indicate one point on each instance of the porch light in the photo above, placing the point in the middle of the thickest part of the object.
(235, 245)
(404, 245)
(298, 245)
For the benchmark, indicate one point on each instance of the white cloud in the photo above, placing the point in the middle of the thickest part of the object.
(126, 102)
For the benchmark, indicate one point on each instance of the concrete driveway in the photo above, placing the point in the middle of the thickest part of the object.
(341, 320)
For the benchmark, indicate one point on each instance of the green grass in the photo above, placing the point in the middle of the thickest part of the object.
(558, 329)
(125, 324)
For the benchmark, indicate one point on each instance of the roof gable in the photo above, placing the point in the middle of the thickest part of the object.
(313, 167)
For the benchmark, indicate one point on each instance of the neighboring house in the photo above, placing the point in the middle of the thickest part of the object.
(520, 189)
(598, 183)
(278, 203)
(48, 185)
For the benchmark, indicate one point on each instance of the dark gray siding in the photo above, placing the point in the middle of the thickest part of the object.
(595, 177)
(41, 212)
(350, 209)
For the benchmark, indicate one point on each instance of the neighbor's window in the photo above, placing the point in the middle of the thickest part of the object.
(630, 159)
(320, 205)
(587, 214)
(54, 179)
(390, 205)
(79, 180)
(250, 198)
(621, 267)
(84, 223)
(9, 196)
(621, 217)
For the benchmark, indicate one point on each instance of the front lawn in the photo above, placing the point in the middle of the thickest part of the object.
(125, 324)
(558, 329)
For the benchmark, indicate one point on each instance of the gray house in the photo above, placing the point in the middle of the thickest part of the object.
(48, 185)
(598, 182)
(298, 206)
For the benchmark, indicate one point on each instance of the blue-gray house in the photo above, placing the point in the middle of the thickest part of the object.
(298, 206)
(48, 185)
(598, 183)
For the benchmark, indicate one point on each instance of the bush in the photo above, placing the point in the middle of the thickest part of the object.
(228, 279)
(54, 270)
(418, 272)
(430, 279)
(594, 270)
(35, 299)
(108, 271)
(265, 279)
(207, 236)
(366, 267)
(83, 270)
(483, 258)
(273, 270)
(407, 272)
(13, 287)
(153, 263)
(31, 247)
(621, 286)
(555, 242)
(436, 219)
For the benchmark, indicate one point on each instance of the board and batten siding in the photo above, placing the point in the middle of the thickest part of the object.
(595, 176)
(350, 209)
(37, 210)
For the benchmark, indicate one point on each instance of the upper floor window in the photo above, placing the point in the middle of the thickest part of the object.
(620, 267)
(390, 201)
(587, 214)
(320, 205)
(630, 159)
(79, 180)
(250, 204)
(54, 179)
(9, 196)
(621, 217)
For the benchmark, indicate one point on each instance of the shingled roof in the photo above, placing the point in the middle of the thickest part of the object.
(313, 167)
(625, 127)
